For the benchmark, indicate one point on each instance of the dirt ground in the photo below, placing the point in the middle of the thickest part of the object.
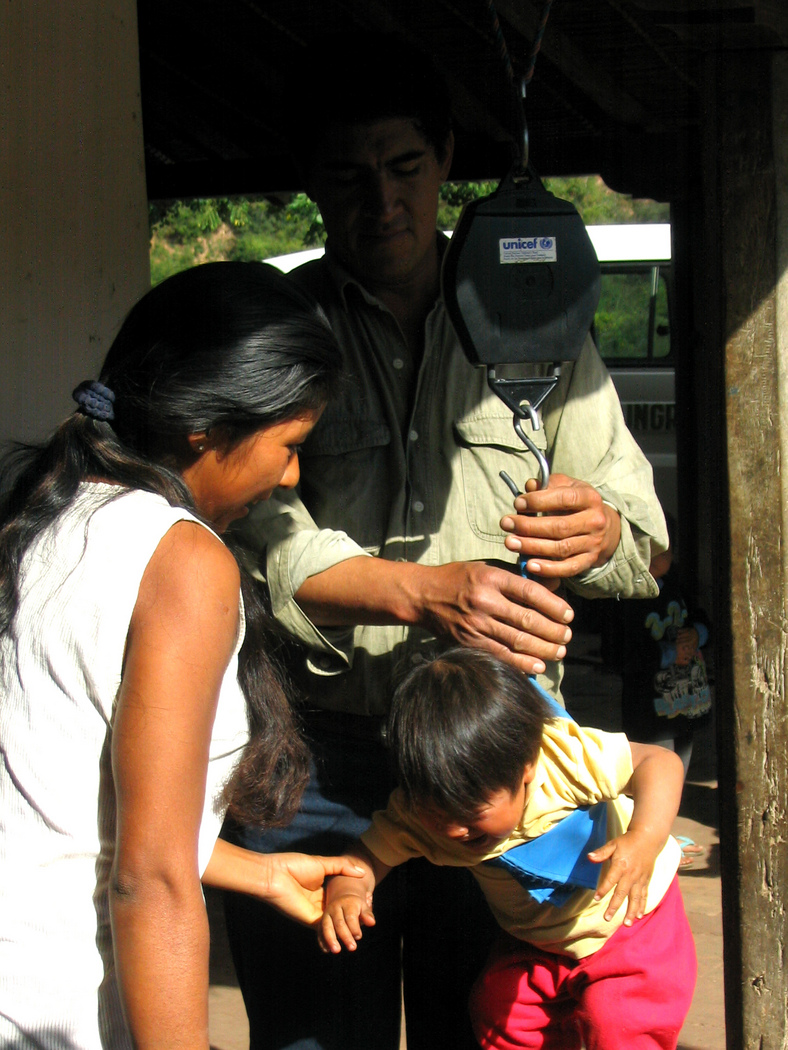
(593, 697)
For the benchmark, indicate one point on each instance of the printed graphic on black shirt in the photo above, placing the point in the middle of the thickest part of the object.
(678, 690)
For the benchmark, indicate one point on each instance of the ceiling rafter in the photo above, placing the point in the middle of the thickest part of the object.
(474, 112)
(613, 85)
(571, 60)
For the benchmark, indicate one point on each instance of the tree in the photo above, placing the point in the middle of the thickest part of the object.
(185, 233)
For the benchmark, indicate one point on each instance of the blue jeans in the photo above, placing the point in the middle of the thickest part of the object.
(432, 935)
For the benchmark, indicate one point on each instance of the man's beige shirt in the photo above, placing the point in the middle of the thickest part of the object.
(405, 465)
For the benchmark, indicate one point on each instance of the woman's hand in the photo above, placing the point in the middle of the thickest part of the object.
(295, 883)
(290, 882)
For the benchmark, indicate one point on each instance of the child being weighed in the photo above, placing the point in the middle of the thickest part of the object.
(567, 831)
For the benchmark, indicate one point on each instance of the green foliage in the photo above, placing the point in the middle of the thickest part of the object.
(621, 321)
(600, 206)
(454, 195)
(305, 211)
(596, 204)
(185, 233)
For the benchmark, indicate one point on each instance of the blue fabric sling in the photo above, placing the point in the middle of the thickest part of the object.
(554, 865)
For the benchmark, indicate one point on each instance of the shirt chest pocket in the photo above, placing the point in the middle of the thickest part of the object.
(488, 445)
(345, 476)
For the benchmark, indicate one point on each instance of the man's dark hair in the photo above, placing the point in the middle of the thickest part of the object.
(358, 78)
(461, 727)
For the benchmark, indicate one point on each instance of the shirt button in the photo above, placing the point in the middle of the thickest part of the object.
(418, 506)
(398, 363)
(413, 435)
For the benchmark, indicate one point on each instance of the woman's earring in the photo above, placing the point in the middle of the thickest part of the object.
(201, 447)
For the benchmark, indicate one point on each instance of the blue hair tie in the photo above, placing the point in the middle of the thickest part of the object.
(95, 400)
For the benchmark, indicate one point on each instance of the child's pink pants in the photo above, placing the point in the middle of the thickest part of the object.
(633, 994)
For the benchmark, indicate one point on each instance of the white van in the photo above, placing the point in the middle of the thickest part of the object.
(633, 332)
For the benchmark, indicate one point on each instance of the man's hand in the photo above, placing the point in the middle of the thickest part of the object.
(470, 602)
(486, 607)
(562, 530)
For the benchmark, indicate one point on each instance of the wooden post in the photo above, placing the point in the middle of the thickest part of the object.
(752, 169)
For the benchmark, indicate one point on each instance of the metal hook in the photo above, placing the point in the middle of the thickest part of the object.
(544, 468)
(525, 126)
(527, 409)
(520, 171)
(522, 560)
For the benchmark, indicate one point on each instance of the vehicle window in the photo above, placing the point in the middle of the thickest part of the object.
(632, 321)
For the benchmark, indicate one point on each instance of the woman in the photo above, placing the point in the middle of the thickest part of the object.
(131, 716)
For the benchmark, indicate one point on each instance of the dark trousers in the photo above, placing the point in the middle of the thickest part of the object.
(431, 939)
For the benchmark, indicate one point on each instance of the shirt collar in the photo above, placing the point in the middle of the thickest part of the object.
(344, 279)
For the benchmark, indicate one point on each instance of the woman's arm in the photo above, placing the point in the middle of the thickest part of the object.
(290, 882)
(181, 638)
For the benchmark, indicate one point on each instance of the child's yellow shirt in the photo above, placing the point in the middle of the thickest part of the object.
(576, 767)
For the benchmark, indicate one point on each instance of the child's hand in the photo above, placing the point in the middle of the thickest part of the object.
(632, 858)
(342, 920)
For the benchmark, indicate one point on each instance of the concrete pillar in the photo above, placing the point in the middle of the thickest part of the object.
(73, 206)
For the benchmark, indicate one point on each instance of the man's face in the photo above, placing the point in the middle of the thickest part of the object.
(377, 189)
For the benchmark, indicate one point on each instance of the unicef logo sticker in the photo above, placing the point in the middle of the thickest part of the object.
(527, 249)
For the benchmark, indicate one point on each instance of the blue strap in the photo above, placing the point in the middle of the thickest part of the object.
(556, 711)
(552, 866)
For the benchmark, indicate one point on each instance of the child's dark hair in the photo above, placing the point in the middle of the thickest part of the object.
(461, 727)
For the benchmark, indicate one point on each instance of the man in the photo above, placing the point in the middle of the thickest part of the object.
(394, 545)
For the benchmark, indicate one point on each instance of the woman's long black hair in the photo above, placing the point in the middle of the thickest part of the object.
(225, 348)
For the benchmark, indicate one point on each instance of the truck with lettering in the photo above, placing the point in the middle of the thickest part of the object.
(632, 330)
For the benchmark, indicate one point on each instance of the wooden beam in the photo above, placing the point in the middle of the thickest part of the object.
(753, 232)
(731, 24)
(600, 88)
(269, 175)
(386, 17)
